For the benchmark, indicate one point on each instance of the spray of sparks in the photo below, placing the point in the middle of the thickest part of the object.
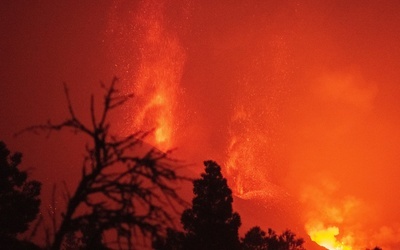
(253, 127)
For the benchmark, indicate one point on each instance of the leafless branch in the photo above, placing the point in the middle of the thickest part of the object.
(120, 189)
(33, 233)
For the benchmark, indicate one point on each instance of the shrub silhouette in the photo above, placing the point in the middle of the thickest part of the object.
(19, 199)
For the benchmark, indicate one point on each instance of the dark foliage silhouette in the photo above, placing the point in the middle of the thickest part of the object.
(174, 240)
(254, 240)
(19, 200)
(211, 222)
(121, 190)
(257, 239)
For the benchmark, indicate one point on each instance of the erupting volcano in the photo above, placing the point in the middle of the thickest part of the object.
(283, 95)
(297, 101)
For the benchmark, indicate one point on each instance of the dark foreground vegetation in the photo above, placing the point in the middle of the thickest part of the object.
(211, 223)
(128, 193)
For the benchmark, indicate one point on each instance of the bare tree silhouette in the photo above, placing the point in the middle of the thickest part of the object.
(122, 190)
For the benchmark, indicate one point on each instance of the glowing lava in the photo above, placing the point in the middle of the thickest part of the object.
(158, 77)
(326, 236)
(328, 215)
(255, 123)
(153, 66)
(245, 154)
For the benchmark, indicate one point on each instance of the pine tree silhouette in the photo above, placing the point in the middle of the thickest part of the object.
(211, 222)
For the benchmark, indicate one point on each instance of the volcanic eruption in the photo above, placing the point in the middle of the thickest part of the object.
(298, 101)
(287, 96)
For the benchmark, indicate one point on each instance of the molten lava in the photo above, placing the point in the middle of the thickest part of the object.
(158, 77)
(326, 236)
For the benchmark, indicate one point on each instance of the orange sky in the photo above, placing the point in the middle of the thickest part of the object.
(297, 100)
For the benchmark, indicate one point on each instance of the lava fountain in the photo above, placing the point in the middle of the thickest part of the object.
(155, 75)
(158, 78)
(255, 124)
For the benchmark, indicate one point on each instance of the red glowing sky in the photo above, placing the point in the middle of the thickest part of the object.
(297, 100)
